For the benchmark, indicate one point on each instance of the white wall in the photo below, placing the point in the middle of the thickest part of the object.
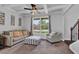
(7, 25)
(27, 22)
(57, 22)
(70, 18)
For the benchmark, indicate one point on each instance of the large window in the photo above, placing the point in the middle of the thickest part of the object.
(40, 26)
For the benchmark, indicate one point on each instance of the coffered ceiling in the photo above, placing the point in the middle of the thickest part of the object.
(19, 8)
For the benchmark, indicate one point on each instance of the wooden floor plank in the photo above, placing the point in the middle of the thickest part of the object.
(43, 48)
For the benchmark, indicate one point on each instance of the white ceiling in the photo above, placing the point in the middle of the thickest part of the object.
(46, 7)
(54, 5)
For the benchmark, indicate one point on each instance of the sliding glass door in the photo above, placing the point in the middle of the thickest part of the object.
(40, 26)
(36, 26)
(44, 26)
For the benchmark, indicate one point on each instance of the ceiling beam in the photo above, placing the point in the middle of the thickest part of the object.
(26, 11)
(55, 8)
(67, 8)
(51, 9)
(8, 8)
(16, 5)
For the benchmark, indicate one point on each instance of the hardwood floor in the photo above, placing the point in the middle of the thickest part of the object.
(43, 48)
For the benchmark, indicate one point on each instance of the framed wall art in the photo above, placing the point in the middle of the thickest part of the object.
(2, 18)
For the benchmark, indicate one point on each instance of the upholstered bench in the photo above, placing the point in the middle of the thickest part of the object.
(34, 40)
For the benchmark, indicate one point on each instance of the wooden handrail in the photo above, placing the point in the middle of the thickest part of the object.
(75, 25)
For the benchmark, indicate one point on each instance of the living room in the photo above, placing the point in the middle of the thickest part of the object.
(26, 33)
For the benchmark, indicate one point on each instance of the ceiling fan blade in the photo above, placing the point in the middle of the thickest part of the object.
(27, 8)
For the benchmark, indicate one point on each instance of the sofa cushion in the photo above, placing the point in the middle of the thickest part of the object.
(11, 34)
(25, 33)
(6, 33)
(17, 33)
(20, 33)
(51, 34)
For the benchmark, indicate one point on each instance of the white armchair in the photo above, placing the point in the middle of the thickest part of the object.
(54, 37)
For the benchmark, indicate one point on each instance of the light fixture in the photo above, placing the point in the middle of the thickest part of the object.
(34, 12)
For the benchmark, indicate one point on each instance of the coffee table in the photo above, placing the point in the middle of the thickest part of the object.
(34, 40)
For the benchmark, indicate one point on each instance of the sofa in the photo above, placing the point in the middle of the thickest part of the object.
(54, 37)
(15, 36)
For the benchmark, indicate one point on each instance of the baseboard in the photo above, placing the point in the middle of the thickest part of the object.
(66, 39)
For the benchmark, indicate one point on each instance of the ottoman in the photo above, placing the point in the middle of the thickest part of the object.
(34, 40)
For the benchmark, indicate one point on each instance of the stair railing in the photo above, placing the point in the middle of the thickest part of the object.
(73, 30)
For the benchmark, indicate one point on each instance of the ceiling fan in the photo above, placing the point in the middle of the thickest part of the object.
(34, 8)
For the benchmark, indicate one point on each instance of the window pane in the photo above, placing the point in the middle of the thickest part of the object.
(44, 26)
(36, 24)
(40, 26)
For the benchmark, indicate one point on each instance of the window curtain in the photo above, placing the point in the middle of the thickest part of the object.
(31, 26)
(49, 24)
